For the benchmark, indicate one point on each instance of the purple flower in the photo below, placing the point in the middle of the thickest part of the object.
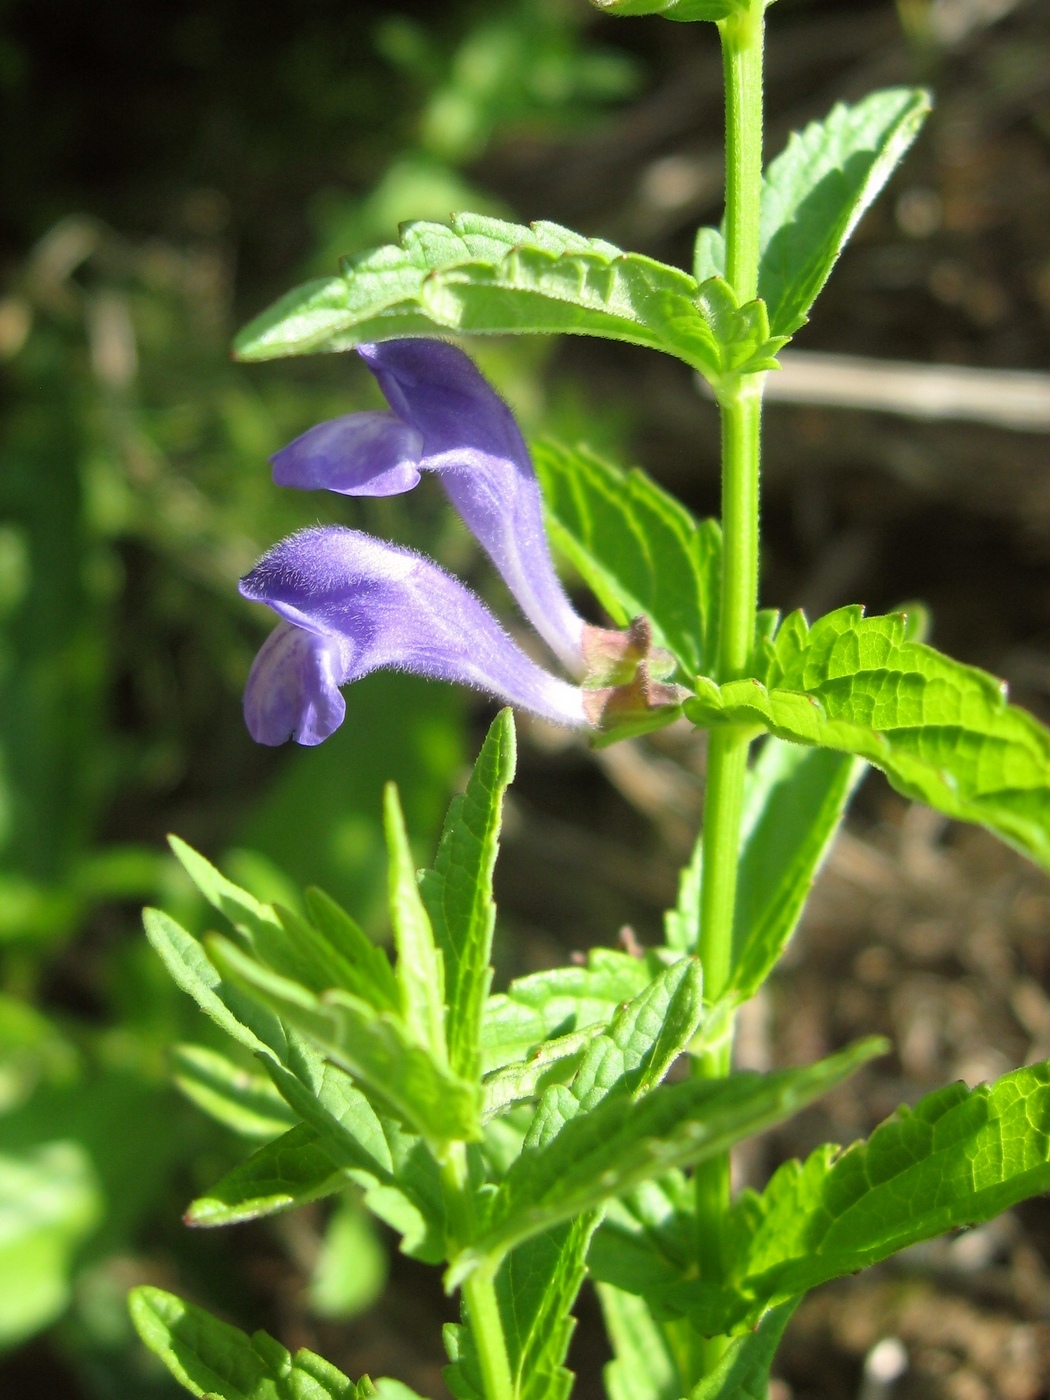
(351, 604)
(447, 419)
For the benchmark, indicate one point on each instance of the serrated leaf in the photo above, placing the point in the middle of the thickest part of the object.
(671, 9)
(553, 1061)
(373, 1046)
(291, 1171)
(637, 549)
(458, 893)
(942, 732)
(743, 1372)
(565, 999)
(420, 969)
(618, 1144)
(241, 1099)
(482, 275)
(633, 1054)
(214, 1360)
(795, 802)
(645, 1367)
(816, 191)
(289, 944)
(957, 1158)
(241, 1017)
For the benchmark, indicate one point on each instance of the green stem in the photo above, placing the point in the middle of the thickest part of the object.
(479, 1290)
(487, 1327)
(740, 401)
(742, 37)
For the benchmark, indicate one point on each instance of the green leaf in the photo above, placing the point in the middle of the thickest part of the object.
(957, 1158)
(636, 548)
(795, 801)
(243, 1100)
(219, 1362)
(290, 1172)
(671, 9)
(645, 1367)
(565, 999)
(743, 1372)
(396, 1172)
(458, 893)
(551, 1062)
(420, 967)
(816, 191)
(605, 1152)
(49, 1203)
(378, 984)
(241, 1017)
(483, 275)
(633, 1054)
(942, 732)
(374, 1047)
(334, 954)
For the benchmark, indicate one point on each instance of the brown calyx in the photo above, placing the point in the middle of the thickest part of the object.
(626, 674)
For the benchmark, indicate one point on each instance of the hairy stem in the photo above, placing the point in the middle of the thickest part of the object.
(479, 1290)
(740, 402)
(487, 1327)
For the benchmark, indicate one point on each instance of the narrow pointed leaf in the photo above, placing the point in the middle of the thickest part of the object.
(458, 893)
(671, 9)
(241, 1017)
(375, 1047)
(291, 1171)
(636, 548)
(290, 944)
(551, 1062)
(743, 1372)
(795, 803)
(377, 983)
(619, 1144)
(942, 732)
(644, 1367)
(816, 191)
(633, 1054)
(242, 1099)
(420, 969)
(214, 1360)
(485, 275)
(547, 1004)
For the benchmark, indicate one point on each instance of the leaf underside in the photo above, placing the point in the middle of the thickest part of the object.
(484, 275)
(942, 732)
(957, 1158)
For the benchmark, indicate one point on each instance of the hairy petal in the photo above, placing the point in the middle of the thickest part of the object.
(360, 454)
(293, 688)
(471, 439)
(367, 606)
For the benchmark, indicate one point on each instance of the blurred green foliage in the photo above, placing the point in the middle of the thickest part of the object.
(133, 492)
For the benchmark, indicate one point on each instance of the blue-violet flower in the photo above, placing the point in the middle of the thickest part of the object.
(351, 604)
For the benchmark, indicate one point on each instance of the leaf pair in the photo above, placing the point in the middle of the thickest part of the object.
(957, 1158)
(942, 732)
(484, 275)
(814, 195)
